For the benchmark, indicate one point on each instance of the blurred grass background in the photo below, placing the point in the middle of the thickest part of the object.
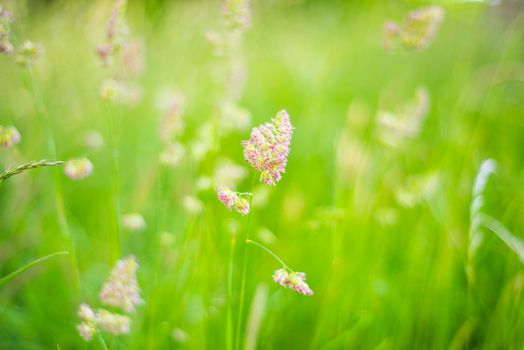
(387, 273)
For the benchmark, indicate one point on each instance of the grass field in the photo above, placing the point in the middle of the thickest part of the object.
(402, 200)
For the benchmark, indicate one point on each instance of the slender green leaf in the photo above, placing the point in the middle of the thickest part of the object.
(15, 273)
(513, 242)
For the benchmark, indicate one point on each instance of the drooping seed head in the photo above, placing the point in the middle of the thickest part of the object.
(292, 280)
(281, 276)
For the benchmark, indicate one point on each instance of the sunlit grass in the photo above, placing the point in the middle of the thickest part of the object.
(377, 205)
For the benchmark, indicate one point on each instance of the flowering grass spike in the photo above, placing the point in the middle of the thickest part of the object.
(28, 53)
(133, 222)
(286, 277)
(87, 326)
(292, 280)
(268, 148)
(232, 200)
(112, 323)
(9, 136)
(102, 319)
(405, 123)
(121, 289)
(116, 34)
(77, 169)
(419, 28)
(6, 47)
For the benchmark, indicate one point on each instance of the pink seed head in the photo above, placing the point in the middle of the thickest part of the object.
(268, 148)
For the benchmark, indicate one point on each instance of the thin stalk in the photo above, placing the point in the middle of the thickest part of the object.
(100, 338)
(15, 273)
(270, 252)
(244, 270)
(59, 198)
(27, 166)
(229, 329)
(42, 113)
(116, 176)
(470, 268)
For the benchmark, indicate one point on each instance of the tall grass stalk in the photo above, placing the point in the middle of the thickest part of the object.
(101, 340)
(59, 197)
(256, 316)
(248, 241)
(238, 332)
(113, 139)
(229, 326)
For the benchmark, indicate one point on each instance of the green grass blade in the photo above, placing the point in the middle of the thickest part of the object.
(15, 273)
(513, 242)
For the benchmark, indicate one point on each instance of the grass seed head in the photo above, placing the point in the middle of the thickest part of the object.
(292, 280)
(9, 136)
(121, 288)
(77, 169)
(133, 222)
(112, 323)
(6, 47)
(268, 148)
(237, 13)
(419, 28)
(232, 200)
(87, 326)
(28, 53)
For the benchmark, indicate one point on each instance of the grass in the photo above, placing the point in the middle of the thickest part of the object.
(383, 233)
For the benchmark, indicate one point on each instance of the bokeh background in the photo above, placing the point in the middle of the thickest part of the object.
(383, 230)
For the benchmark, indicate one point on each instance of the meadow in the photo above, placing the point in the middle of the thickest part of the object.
(280, 174)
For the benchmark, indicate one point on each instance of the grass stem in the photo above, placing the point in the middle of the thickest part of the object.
(244, 271)
(59, 198)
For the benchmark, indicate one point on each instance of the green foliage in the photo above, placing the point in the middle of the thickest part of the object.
(382, 230)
